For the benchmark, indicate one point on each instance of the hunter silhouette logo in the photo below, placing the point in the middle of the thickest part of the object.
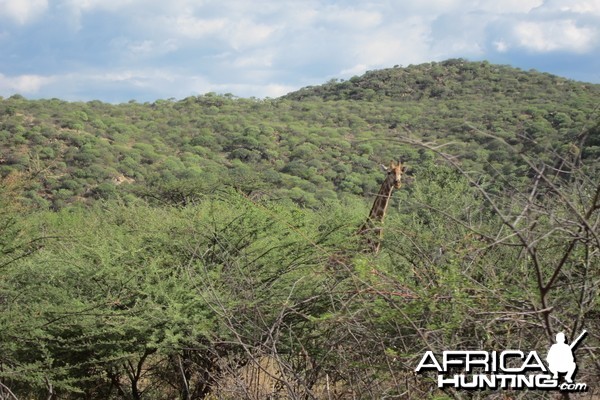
(560, 356)
(508, 369)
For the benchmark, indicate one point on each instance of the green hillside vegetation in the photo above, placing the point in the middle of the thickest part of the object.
(206, 248)
(312, 145)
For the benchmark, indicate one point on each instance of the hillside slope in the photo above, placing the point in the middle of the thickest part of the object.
(310, 146)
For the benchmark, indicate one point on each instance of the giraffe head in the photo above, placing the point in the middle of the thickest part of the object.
(394, 173)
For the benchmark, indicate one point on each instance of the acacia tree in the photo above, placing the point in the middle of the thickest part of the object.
(17, 242)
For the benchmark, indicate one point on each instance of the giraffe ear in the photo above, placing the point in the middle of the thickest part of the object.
(384, 168)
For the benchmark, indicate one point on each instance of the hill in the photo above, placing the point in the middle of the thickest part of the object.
(455, 79)
(312, 145)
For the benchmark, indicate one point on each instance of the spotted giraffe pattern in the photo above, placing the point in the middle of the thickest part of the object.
(372, 230)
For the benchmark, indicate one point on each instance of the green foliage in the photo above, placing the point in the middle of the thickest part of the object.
(198, 248)
(123, 283)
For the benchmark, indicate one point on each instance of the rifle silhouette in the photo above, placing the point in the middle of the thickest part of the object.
(576, 341)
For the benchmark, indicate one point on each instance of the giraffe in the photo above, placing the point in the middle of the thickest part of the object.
(372, 231)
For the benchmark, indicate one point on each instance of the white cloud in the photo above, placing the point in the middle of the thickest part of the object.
(587, 7)
(545, 36)
(501, 46)
(507, 6)
(105, 5)
(405, 42)
(255, 60)
(246, 33)
(197, 28)
(449, 38)
(143, 47)
(115, 76)
(275, 90)
(132, 10)
(354, 70)
(136, 49)
(249, 90)
(351, 17)
(300, 15)
(237, 33)
(23, 11)
(429, 7)
(23, 84)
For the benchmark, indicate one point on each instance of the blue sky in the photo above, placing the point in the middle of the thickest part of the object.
(118, 50)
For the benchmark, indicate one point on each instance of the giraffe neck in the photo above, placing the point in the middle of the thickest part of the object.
(371, 231)
(381, 202)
